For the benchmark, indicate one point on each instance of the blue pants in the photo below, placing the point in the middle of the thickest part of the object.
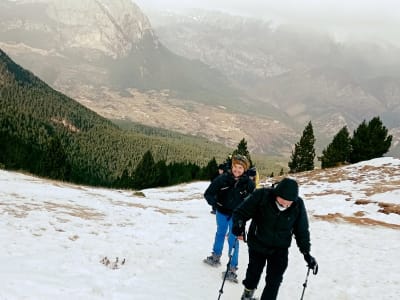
(223, 223)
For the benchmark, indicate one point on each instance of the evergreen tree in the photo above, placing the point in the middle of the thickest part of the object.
(370, 141)
(54, 163)
(211, 170)
(338, 151)
(162, 173)
(302, 158)
(124, 181)
(145, 172)
(242, 149)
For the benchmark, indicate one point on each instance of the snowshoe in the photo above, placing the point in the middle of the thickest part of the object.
(213, 260)
(231, 276)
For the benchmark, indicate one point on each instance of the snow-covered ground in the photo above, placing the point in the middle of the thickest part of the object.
(54, 235)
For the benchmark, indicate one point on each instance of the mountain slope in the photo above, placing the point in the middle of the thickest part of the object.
(105, 55)
(54, 236)
(43, 131)
(103, 43)
(220, 77)
(303, 73)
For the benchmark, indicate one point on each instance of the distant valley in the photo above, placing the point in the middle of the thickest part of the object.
(211, 75)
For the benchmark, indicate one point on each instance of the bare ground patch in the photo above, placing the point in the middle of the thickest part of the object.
(74, 210)
(381, 188)
(329, 192)
(386, 208)
(365, 173)
(142, 206)
(336, 217)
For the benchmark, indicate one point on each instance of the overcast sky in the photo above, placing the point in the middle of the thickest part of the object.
(377, 19)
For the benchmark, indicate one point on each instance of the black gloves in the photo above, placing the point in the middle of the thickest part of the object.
(311, 262)
(238, 228)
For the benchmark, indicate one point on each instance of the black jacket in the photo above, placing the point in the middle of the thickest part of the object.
(271, 228)
(225, 193)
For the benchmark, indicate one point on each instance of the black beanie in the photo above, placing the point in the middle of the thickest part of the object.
(287, 189)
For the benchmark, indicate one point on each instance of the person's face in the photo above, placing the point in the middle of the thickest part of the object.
(220, 171)
(237, 170)
(284, 203)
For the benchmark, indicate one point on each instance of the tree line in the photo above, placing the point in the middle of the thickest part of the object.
(370, 140)
(46, 133)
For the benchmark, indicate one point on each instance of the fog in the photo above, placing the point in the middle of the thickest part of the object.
(372, 20)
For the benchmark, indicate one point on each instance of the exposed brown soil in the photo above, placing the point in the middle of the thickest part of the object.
(336, 217)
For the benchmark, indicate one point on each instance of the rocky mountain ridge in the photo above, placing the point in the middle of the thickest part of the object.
(306, 74)
(232, 78)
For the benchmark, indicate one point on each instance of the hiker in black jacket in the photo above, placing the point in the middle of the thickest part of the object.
(276, 215)
(225, 193)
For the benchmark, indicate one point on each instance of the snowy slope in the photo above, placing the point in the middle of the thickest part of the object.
(53, 236)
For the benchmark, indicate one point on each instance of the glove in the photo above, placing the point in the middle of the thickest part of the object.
(311, 262)
(238, 228)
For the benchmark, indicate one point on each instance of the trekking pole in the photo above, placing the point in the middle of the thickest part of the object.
(221, 290)
(305, 283)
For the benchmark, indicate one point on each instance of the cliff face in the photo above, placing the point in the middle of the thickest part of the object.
(113, 27)
(71, 43)
(227, 77)
(99, 43)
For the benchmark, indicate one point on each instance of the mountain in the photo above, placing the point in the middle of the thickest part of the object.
(215, 76)
(105, 55)
(301, 72)
(47, 133)
(55, 235)
(99, 43)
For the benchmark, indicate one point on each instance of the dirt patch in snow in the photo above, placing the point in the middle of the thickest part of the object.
(336, 217)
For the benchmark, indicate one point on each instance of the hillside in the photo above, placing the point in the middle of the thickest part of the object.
(301, 72)
(103, 44)
(55, 236)
(212, 75)
(111, 61)
(45, 132)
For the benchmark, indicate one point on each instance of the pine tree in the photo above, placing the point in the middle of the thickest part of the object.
(370, 141)
(162, 173)
(124, 181)
(242, 149)
(211, 170)
(145, 172)
(338, 151)
(302, 158)
(55, 163)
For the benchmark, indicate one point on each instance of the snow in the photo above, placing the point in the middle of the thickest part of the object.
(54, 234)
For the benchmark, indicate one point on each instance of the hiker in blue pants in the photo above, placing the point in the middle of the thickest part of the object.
(226, 192)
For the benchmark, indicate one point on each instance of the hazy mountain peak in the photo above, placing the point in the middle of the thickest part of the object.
(114, 27)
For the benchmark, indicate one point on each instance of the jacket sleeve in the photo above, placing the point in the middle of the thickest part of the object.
(301, 229)
(247, 209)
(251, 186)
(211, 192)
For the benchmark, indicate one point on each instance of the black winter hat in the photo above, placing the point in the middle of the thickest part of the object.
(287, 189)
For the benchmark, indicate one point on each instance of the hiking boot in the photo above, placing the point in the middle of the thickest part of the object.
(247, 295)
(231, 275)
(213, 260)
